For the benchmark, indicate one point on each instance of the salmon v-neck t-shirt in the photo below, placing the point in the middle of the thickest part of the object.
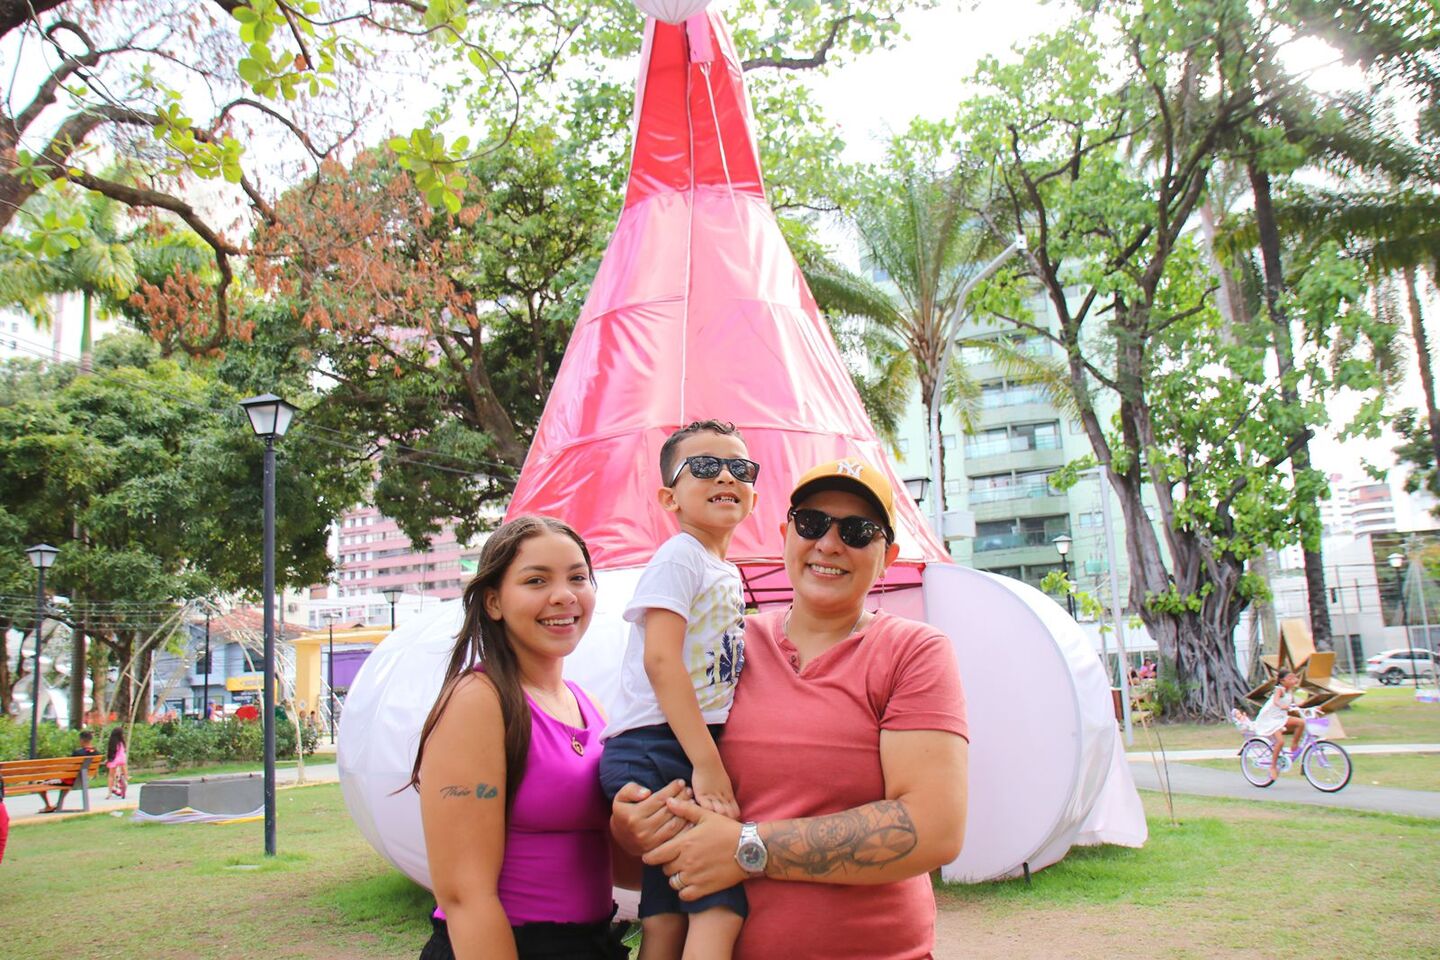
(806, 742)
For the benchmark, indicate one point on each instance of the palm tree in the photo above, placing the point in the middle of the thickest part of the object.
(76, 248)
(922, 239)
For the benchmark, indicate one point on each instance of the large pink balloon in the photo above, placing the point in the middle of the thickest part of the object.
(672, 11)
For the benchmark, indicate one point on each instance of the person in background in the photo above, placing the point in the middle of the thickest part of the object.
(117, 764)
(1277, 718)
(86, 749)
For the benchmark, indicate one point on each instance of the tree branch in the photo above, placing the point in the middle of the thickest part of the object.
(817, 59)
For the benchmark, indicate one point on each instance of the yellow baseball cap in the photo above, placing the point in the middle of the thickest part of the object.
(854, 476)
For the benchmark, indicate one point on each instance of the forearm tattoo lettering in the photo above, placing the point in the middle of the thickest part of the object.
(867, 837)
(481, 791)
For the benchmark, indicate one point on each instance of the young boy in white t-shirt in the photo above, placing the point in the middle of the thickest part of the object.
(683, 659)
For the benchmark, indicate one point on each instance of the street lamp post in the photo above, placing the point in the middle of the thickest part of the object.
(392, 594)
(42, 557)
(937, 506)
(205, 715)
(269, 417)
(1397, 560)
(331, 616)
(1062, 547)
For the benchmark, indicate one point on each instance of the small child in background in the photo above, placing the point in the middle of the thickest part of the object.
(681, 665)
(116, 762)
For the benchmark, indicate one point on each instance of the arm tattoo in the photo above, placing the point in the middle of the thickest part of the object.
(874, 835)
(482, 791)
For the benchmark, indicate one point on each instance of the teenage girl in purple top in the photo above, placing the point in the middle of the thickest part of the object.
(516, 827)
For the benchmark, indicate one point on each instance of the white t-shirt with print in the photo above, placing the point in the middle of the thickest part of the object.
(684, 578)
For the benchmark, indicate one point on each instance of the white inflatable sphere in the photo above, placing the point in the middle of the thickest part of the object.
(672, 11)
(394, 691)
(1043, 737)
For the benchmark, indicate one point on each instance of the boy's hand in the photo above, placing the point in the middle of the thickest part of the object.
(713, 790)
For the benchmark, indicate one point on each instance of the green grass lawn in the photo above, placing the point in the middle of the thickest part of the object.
(146, 774)
(1369, 884)
(1386, 715)
(1234, 878)
(1408, 771)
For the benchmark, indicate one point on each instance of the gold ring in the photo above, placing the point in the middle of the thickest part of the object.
(676, 883)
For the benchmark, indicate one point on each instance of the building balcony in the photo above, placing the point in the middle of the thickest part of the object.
(1017, 502)
(1004, 413)
(1016, 554)
(997, 458)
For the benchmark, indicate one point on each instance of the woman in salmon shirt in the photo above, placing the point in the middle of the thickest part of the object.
(846, 745)
(516, 827)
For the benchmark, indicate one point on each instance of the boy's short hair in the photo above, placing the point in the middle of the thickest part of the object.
(86, 735)
(722, 428)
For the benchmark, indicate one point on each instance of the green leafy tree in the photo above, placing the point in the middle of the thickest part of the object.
(87, 254)
(1103, 162)
(189, 88)
(915, 219)
(150, 460)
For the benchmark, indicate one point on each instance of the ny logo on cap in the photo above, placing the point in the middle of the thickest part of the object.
(850, 468)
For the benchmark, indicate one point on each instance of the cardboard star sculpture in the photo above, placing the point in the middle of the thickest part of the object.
(699, 311)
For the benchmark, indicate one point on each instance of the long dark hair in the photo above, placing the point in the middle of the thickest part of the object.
(483, 639)
(117, 739)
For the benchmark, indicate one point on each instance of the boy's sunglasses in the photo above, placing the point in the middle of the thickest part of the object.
(855, 532)
(708, 468)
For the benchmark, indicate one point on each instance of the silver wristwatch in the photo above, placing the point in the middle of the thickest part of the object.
(750, 853)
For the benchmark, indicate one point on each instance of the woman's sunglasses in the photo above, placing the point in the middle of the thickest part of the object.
(855, 532)
(708, 468)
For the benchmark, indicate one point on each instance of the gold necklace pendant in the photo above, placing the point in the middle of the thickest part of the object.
(576, 745)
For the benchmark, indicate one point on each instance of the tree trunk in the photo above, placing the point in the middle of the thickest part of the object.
(143, 681)
(87, 358)
(99, 680)
(7, 685)
(1422, 356)
(77, 674)
(125, 687)
(1285, 358)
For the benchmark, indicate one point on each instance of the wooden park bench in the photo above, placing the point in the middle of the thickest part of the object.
(50, 773)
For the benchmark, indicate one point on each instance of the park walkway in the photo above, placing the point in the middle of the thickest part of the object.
(1184, 778)
(1290, 788)
(26, 808)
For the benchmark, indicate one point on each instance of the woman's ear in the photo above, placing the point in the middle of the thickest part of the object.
(892, 550)
(490, 600)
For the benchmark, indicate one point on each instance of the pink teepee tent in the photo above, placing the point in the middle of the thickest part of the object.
(698, 311)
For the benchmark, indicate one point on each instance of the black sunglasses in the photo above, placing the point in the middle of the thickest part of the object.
(708, 468)
(855, 532)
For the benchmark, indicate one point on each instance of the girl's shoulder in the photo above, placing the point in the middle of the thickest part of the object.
(474, 691)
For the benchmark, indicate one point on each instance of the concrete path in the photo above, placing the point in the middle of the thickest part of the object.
(1290, 788)
(1359, 749)
(26, 808)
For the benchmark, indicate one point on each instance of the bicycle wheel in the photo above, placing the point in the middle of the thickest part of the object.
(1255, 762)
(1327, 766)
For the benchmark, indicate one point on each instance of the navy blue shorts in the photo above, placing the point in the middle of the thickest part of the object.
(652, 757)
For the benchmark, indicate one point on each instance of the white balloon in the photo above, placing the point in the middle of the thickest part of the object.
(672, 11)
(1047, 770)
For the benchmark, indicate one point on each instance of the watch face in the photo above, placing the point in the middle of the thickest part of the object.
(752, 856)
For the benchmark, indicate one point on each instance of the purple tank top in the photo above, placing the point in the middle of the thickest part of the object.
(557, 842)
